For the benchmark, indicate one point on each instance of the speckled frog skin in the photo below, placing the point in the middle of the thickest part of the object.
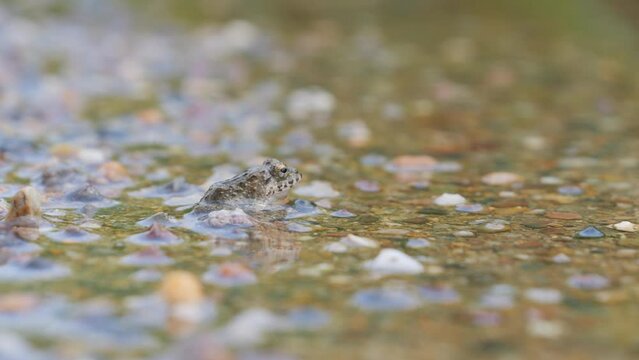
(260, 184)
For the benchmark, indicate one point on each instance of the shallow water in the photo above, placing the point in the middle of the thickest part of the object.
(464, 167)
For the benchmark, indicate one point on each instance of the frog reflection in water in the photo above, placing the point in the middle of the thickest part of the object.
(258, 185)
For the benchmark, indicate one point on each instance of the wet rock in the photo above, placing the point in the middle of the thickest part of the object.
(450, 200)
(501, 178)
(25, 203)
(150, 256)
(229, 274)
(72, 234)
(393, 262)
(318, 189)
(590, 232)
(157, 235)
(161, 218)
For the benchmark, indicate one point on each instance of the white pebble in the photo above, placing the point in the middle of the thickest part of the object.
(626, 226)
(355, 241)
(450, 200)
(501, 178)
(392, 261)
(561, 259)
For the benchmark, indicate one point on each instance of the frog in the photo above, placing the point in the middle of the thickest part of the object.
(259, 185)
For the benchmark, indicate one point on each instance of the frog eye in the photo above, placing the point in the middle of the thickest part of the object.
(284, 170)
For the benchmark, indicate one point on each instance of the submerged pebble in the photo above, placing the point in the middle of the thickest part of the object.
(590, 232)
(222, 218)
(393, 262)
(161, 218)
(73, 234)
(157, 235)
(80, 197)
(342, 214)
